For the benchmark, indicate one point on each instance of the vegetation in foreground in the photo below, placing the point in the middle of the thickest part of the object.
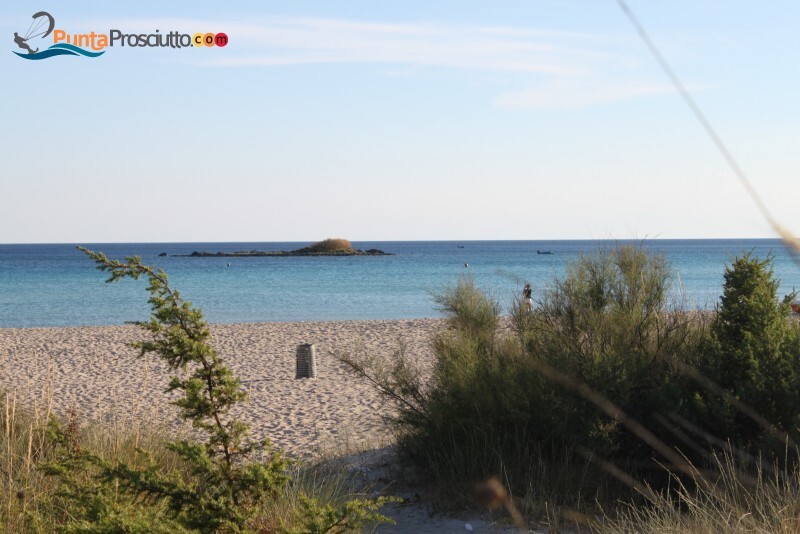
(61, 477)
(313, 498)
(611, 391)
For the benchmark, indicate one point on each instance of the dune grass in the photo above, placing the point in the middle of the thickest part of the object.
(740, 500)
(30, 499)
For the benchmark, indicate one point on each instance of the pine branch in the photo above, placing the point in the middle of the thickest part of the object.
(181, 337)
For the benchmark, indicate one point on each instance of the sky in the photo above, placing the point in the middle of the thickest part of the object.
(412, 120)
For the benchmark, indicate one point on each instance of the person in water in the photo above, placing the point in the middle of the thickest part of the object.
(20, 42)
(527, 295)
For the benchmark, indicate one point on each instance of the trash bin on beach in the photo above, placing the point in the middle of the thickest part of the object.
(306, 361)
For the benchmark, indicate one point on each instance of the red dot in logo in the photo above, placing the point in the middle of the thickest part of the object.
(221, 39)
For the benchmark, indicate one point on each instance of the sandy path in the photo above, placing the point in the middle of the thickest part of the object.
(92, 370)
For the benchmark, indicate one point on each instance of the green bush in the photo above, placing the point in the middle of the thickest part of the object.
(611, 330)
(615, 325)
(752, 354)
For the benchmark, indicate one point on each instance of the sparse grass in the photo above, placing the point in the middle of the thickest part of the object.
(30, 500)
(327, 481)
(766, 502)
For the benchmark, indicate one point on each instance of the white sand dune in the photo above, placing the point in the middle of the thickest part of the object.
(93, 371)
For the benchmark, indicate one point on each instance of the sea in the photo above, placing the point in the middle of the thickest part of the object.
(57, 285)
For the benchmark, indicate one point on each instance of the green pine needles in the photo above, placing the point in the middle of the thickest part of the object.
(223, 480)
(752, 355)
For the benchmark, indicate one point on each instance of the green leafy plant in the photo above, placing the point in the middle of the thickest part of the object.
(224, 480)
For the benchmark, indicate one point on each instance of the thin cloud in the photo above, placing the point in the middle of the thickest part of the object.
(281, 41)
(570, 69)
(305, 41)
(581, 93)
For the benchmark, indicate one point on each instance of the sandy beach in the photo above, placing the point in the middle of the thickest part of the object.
(93, 371)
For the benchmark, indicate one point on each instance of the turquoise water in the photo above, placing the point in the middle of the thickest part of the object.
(56, 285)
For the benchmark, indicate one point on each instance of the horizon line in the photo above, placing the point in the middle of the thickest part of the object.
(644, 239)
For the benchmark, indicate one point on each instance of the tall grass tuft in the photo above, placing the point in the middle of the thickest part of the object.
(767, 502)
(30, 500)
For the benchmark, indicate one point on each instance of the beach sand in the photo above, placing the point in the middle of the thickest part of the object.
(93, 371)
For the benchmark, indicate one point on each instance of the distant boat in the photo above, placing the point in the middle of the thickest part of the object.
(544, 251)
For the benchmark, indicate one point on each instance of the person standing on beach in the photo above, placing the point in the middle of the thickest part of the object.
(527, 295)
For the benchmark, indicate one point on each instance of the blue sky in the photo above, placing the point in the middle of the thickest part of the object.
(400, 121)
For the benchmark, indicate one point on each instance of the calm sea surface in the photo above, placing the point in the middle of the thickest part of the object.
(56, 285)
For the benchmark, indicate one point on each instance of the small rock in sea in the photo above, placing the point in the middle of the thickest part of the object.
(162, 254)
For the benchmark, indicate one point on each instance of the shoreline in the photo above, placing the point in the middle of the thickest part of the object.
(91, 370)
(216, 324)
